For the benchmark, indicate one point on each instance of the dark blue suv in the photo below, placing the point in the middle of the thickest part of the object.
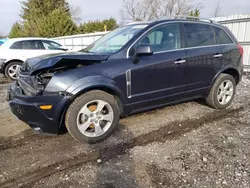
(135, 68)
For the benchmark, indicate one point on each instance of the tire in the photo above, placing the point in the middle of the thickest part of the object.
(80, 109)
(220, 97)
(12, 67)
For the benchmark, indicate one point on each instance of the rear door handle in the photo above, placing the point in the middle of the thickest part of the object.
(217, 55)
(180, 61)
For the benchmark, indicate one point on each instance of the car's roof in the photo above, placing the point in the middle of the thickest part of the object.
(187, 20)
(28, 38)
(155, 22)
(9, 42)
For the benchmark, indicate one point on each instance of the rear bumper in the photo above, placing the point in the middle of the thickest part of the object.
(27, 109)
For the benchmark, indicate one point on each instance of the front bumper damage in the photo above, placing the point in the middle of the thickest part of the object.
(27, 109)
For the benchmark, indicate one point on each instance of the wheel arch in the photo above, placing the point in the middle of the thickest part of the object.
(97, 83)
(231, 71)
(106, 88)
(11, 61)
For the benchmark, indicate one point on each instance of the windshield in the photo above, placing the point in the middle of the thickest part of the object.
(115, 40)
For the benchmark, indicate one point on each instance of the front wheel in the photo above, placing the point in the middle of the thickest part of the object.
(222, 92)
(92, 117)
(11, 70)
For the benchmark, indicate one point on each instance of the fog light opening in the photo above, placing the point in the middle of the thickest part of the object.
(46, 107)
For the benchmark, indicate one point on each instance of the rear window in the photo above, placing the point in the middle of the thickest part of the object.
(221, 36)
(16, 45)
(199, 35)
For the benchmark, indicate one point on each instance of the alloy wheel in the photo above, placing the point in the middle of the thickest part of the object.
(95, 118)
(225, 92)
(13, 71)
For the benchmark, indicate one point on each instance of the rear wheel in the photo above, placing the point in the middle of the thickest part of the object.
(11, 70)
(222, 92)
(92, 117)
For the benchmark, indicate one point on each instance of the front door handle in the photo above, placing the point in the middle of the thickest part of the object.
(180, 62)
(217, 55)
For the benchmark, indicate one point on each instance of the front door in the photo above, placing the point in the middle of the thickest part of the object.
(159, 77)
(51, 47)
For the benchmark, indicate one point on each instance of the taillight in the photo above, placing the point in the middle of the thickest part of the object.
(241, 50)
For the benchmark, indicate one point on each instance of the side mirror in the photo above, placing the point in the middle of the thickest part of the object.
(143, 50)
(58, 48)
(64, 49)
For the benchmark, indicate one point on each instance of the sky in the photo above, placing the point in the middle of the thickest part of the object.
(101, 9)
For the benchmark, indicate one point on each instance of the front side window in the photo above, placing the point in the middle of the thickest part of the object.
(163, 38)
(37, 45)
(51, 45)
(199, 35)
(221, 36)
(115, 40)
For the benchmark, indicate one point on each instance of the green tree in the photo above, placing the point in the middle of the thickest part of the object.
(57, 23)
(16, 31)
(195, 13)
(33, 9)
(98, 26)
(47, 18)
(91, 27)
(110, 23)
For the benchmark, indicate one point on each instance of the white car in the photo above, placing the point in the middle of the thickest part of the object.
(15, 51)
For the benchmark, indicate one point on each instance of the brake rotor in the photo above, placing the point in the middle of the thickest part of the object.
(92, 107)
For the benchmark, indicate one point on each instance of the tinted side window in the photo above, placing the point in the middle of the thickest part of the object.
(221, 36)
(163, 38)
(27, 45)
(37, 45)
(16, 46)
(199, 35)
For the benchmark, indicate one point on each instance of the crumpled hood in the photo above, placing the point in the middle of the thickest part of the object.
(46, 62)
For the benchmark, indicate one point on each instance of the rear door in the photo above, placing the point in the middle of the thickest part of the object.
(26, 49)
(203, 56)
(229, 50)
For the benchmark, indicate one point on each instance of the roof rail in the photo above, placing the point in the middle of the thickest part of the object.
(138, 22)
(188, 18)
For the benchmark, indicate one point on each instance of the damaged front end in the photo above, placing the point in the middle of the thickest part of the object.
(35, 84)
(39, 96)
(34, 77)
(31, 86)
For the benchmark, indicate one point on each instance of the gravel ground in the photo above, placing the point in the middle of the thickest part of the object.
(186, 145)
